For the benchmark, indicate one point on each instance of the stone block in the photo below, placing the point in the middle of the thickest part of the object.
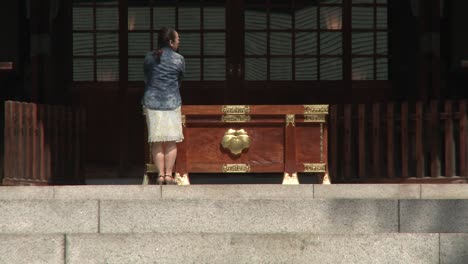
(146, 248)
(453, 248)
(253, 248)
(24, 249)
(367, 191)
(265, 216)
(242, 191)
(444, 191)
(108, 192)
(26, 192)
(48, 217)
(434, 216)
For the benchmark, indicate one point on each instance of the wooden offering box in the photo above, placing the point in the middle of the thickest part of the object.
(253, 139)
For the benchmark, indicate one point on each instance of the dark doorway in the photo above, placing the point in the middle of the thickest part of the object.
(237, 52)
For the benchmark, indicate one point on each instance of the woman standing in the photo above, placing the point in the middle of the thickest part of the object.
(163, 72)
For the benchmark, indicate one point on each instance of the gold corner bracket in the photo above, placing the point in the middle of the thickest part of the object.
(236, 168)
(315, 109)
(326, 179)
(315, 167)
(290, 119)
(290, 179)
(182, 179)
(184, 120)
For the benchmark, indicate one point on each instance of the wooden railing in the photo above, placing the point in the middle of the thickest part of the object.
(398, 142)
(392, 142)
(43, 144)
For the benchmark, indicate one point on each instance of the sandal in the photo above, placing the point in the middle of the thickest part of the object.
(169, 180)
(160, 180)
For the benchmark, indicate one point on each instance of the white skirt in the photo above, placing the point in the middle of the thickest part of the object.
(164, 126)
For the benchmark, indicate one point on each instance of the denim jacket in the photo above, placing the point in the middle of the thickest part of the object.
(162, 80)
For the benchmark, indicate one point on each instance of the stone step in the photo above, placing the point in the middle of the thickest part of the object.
(317, 216)
(303, 191)
(235, 224)
(234, 248)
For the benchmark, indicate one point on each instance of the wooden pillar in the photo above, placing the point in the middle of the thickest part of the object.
(419, 151)
(428, 14)
(390, 123)
(362, 127)
(449, 140)
(40, 47)
(123, 86)
(435, 76)
(333, 165)
(348, 145)
(404, 140)
(60, 61)
(463, 159)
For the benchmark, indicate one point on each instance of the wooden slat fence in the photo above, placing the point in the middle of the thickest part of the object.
(399, 142)
(44, 144)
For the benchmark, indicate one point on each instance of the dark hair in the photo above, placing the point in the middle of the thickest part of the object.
(165, 35)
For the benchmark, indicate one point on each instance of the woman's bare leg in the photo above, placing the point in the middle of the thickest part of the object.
(170, 154)
(158, 156)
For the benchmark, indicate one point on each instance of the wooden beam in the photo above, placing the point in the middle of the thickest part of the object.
(449, 142)
(334, 143)
(434, 139)
(390, 140)
(463, 138)
(404, 140)
(348, 141)
(362, 125)
(419, 140)
(376, 170)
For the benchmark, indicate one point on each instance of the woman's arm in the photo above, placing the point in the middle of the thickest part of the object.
(181, 68)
